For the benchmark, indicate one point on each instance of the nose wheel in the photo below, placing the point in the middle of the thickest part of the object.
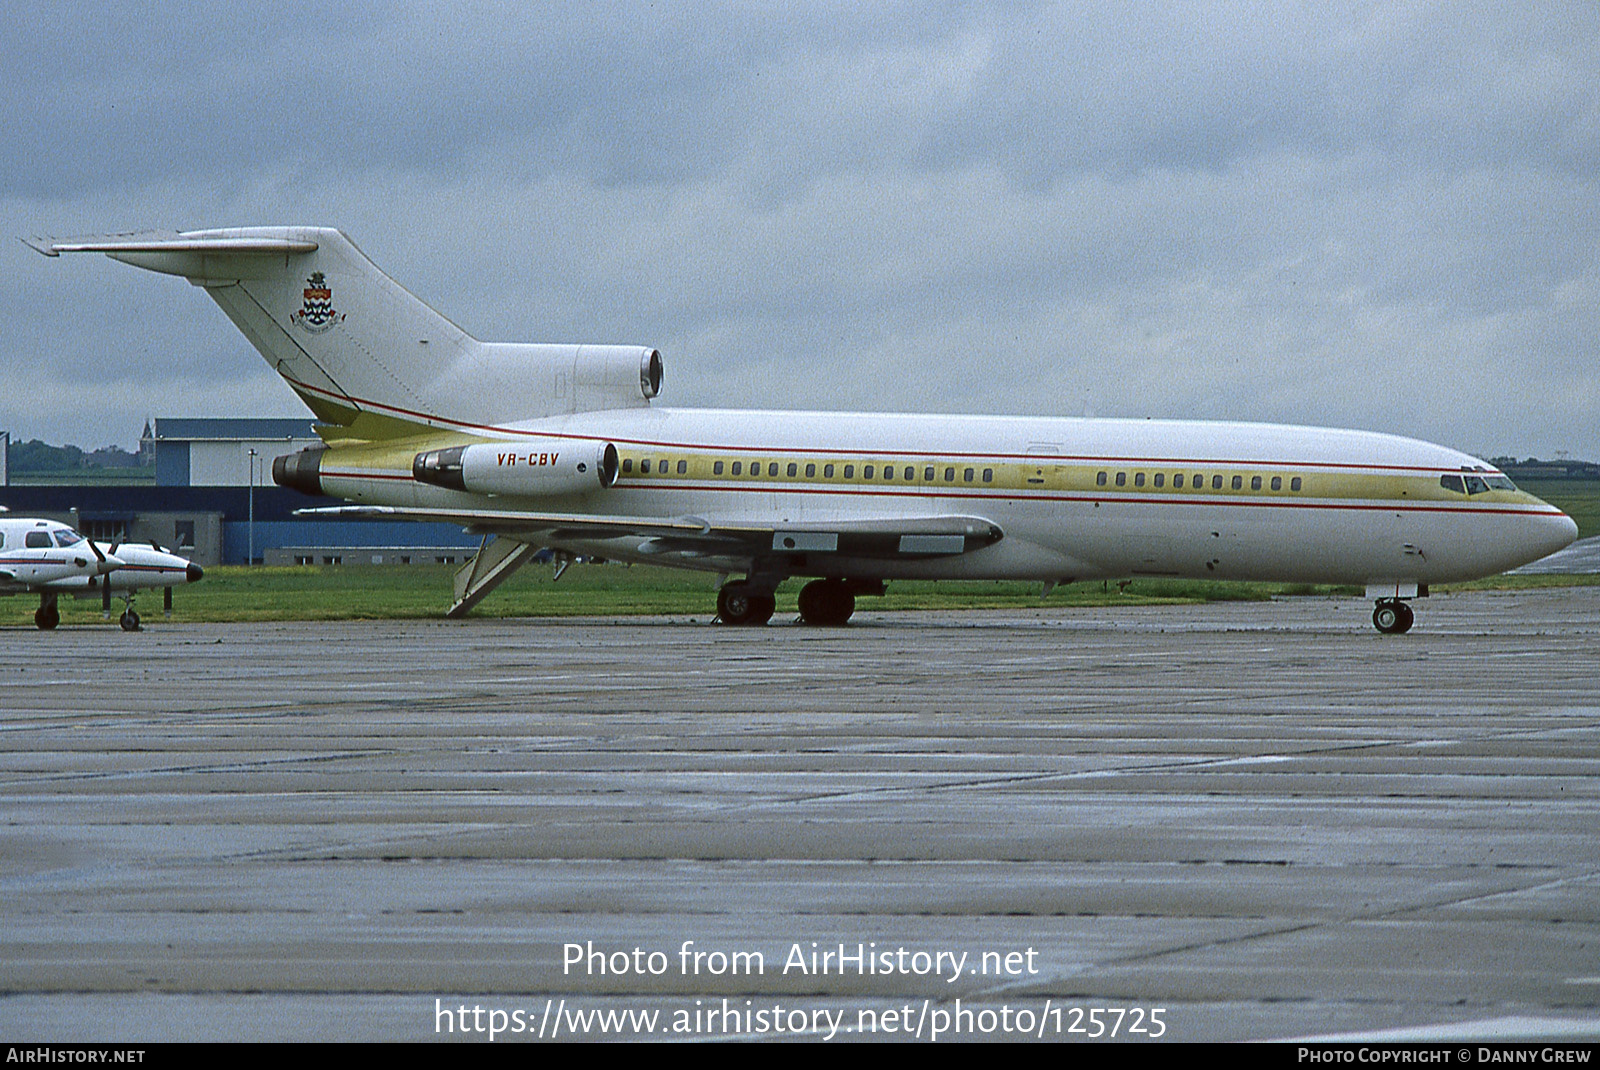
(1392, 617)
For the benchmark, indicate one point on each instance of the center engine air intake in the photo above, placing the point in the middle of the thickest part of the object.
(529, 467)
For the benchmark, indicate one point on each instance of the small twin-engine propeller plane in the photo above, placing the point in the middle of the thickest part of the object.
(48, 558)
(561, 446)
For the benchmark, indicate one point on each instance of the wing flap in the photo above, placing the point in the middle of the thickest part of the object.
(928, 536)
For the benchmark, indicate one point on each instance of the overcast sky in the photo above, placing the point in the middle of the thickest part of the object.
(1383, 216)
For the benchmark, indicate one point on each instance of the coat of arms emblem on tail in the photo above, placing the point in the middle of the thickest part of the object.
(317, 314)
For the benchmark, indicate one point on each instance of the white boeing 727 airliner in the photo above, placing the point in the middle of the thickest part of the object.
(561, 446)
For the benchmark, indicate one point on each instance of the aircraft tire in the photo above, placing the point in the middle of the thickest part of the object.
(129, 621)
(739, 603)
(1392, 617)
(826, 603)
(46, 617)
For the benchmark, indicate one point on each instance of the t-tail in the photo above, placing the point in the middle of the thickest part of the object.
(350, 340)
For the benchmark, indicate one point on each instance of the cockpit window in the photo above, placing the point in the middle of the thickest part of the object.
(1476, 485)
(1499, 483)
(1452, 483)
(68, 538)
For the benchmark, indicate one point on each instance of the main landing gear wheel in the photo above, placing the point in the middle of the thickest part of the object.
(129, 621)
(826, 603)
(1392, 617)
(740, 603)
(47, 617)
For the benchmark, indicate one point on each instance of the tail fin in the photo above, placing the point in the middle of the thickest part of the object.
(348, 339)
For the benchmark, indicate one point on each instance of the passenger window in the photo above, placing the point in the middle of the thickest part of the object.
(1277, 482)
(1255, 482)
(1177, 481)
(1199, 481)
(849, 471)
(683, 466)
(1238, 482)
(644, 466)
(1158, 479)
(1138, 479)
(927, 474)
(966, 475)
(738, 467)
(1216, 482)
(949, 475)
(1294, 484)
(888, 471)
(772, 469)
(867, 470)
(716, 469)
(910, 473)
(37, 540)
(811, 470)
(1100, 479)
(627, 464)
(827, 472)
(988, 475)
(794, 469)
(1122, 479)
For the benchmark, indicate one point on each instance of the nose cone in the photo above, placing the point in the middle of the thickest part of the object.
(1547, 533)
(193, 573)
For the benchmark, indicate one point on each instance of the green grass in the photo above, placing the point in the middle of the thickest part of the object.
(1578, 498)
(424, 592)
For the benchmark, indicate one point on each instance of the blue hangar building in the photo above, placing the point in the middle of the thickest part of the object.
(214, 502)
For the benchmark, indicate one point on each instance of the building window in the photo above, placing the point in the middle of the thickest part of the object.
(183, 532)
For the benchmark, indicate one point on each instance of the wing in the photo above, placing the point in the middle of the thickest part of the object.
(883, 537)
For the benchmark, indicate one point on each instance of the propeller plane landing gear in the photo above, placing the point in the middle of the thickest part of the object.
(48, 615)
(1391, 616)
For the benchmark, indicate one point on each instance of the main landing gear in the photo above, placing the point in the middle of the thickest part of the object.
(823, 603)
(48, 615)
(1391, 616)
(744, 602)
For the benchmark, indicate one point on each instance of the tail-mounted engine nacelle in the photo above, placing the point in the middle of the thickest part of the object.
(525, 468)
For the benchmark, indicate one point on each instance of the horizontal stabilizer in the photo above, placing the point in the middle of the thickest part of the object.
(232, 242)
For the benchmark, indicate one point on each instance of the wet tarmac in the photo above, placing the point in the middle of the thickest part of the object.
(1220, 822)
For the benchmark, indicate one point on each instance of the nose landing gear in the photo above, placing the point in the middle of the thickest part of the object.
(1391, 616)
